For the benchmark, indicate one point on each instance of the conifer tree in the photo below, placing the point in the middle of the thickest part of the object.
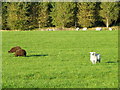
(86, 14)
(23, 22)
(4, 15)
(42, 14)
(32, 15)
(63, 14)
(12, 16)
(17, 15)
(109, 12)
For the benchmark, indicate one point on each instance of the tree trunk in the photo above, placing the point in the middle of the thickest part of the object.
(107, 23)
(39, 24)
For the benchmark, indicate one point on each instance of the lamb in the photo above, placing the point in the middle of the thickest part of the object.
(110, 29)
(98, 29)
(84, 29)
(50, 30)
(94, 58)
(77, 29)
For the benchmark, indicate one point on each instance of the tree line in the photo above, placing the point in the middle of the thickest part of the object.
(31, 15)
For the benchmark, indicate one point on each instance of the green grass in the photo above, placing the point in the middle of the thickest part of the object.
(60, 59)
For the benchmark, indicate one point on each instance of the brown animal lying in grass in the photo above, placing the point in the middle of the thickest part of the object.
(14, 49)
(20, 52)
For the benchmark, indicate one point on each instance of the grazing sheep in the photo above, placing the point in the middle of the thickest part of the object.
(98, 29)
(84, 29)
(110, 29)
(94, 58)
(14, 49)
(77, 29)
(20, 52)
(50, 30)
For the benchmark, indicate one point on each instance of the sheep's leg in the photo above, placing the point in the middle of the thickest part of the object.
(94, 62)
(98, 60)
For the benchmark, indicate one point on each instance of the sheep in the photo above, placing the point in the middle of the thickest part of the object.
(94, 58)
(98, 29)
(84, 29)
(110, 29)
(77, 29)
(50, 30)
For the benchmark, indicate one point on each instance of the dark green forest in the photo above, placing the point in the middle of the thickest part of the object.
(31, 15)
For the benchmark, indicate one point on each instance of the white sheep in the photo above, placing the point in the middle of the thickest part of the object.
(84, 29)
(110, 29)
(94, 58)
(77, 29)
(50, 29)
(98, 29)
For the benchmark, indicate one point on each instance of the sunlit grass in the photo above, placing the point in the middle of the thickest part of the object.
(60, 59)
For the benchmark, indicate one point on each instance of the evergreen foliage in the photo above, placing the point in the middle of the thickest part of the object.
(63, 14)
(30, 15)
(42, 14)
(4, 16)
(23, 16)
(12, 16)
(109, 12)
(17, 16)
(85, 15)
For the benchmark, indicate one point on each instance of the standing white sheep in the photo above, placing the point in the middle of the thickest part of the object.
(110, 29)
(98, 29)
(77, 29)
(84, 29)
(50, 29)
(94, 58)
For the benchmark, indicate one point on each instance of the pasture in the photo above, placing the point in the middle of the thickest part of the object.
(60, 59)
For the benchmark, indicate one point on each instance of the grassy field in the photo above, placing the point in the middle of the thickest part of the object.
(60, 59)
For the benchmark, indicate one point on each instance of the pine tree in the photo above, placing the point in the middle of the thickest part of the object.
(12, 16)
(109, 12)
(118, 19)
(17, 15)
(86, 14)
(32, 21)
(42, 14)
(22, 13)
(63, 14)
(98, 21)
(4, 15)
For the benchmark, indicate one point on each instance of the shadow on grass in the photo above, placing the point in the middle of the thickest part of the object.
(111, 62)
(36, 55)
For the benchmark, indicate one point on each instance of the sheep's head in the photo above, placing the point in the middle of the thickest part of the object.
(92, 53)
